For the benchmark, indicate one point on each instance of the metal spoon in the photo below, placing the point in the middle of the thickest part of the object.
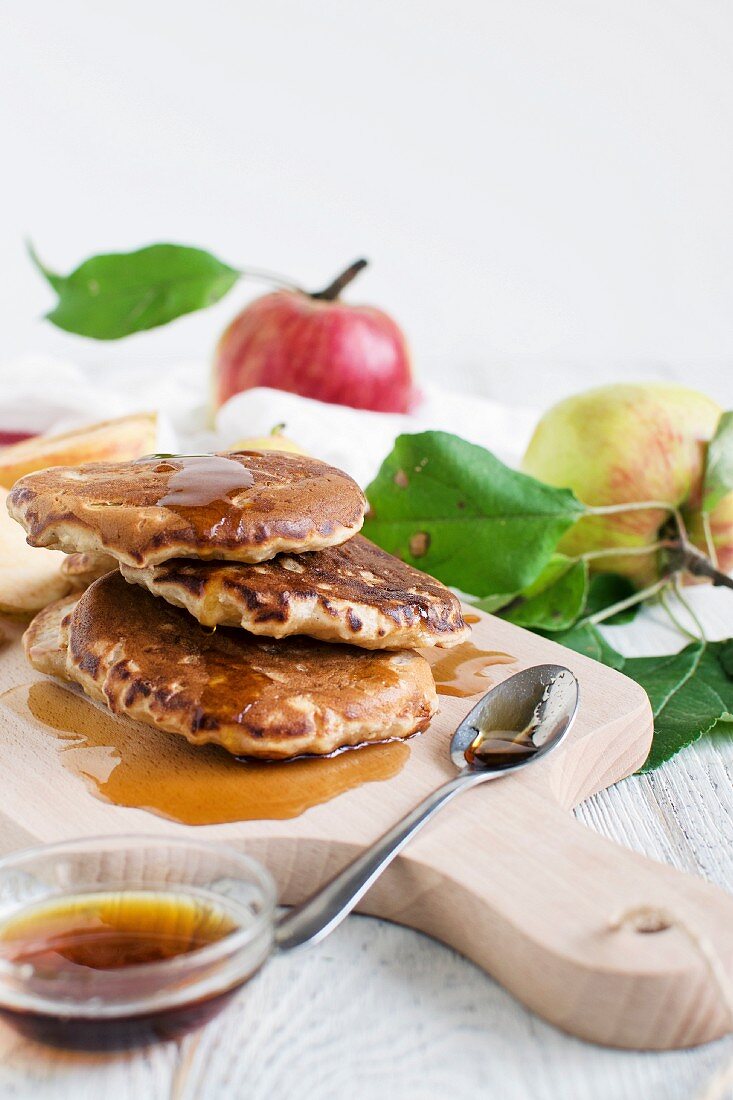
(517, 722)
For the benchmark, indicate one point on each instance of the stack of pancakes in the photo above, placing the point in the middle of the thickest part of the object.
(235, 603)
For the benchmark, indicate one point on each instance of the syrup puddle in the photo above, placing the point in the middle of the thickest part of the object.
(464, 670)
(132, 765)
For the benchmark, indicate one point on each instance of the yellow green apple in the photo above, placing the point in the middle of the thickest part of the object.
(275, 441)
(625, 444)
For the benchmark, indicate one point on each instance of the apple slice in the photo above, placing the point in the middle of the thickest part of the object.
(109, 441)
(30, 577)
(82, 569)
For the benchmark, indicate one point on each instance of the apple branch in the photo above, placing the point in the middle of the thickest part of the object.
(684, 557)
(687, 558)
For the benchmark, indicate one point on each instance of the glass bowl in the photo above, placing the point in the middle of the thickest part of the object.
(91, 1009)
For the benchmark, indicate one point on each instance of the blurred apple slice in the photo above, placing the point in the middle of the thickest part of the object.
(30, 577)
(84, 568)
(109, 441)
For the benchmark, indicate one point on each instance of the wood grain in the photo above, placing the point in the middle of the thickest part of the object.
(506, 875)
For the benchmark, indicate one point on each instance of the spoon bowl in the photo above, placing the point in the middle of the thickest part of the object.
(521, 719)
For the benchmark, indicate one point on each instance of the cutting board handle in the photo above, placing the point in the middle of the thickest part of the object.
(535, 908)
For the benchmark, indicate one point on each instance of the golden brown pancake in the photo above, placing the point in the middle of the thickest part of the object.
(248, 506)
(255, 697)
(350, 593)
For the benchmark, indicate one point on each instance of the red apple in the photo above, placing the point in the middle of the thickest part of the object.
(6, 438)
(317, 346)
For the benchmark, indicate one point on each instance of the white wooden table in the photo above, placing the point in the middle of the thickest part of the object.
(379, 1011)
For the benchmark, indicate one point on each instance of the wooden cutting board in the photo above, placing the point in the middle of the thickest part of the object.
(505, 874)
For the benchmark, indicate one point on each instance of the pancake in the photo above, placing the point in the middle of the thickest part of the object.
(350, 593)
(255, 697)
(246, 506)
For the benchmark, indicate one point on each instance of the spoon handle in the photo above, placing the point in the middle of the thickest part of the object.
(318, 915)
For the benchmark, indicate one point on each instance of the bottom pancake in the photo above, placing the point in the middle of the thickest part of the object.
(254, 696)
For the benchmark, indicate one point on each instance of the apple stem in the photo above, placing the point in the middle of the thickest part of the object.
(639, 506)
(709, 540)
(626, 551)
(688, 608)
(262, 276)
(676, 623)
(630, 601)
(332, 291)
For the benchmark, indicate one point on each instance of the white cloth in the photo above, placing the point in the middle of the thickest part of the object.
(39, 394)
(43, 395)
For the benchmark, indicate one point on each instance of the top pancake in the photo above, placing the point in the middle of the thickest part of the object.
(354, 593)
(246, 506)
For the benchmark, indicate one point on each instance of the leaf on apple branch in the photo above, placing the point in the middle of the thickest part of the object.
(691, 692)
(588, 640)
(717, 478)
(117, 294)
(718, 481)
(607, 590)
(555, 600)
(454, 510)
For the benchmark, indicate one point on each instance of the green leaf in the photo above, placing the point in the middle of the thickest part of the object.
(114, 295)
(493, 604)
(453, 509)
(719, 464)
(725, 656)
(690, 693)
(555, 599)
(589, 641)
(605, 590)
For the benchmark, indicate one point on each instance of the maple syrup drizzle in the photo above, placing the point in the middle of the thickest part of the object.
(471, 619)
(197, 481)
(464, 670)
(129, 764)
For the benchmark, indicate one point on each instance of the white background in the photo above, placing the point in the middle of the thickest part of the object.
(545, 189)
